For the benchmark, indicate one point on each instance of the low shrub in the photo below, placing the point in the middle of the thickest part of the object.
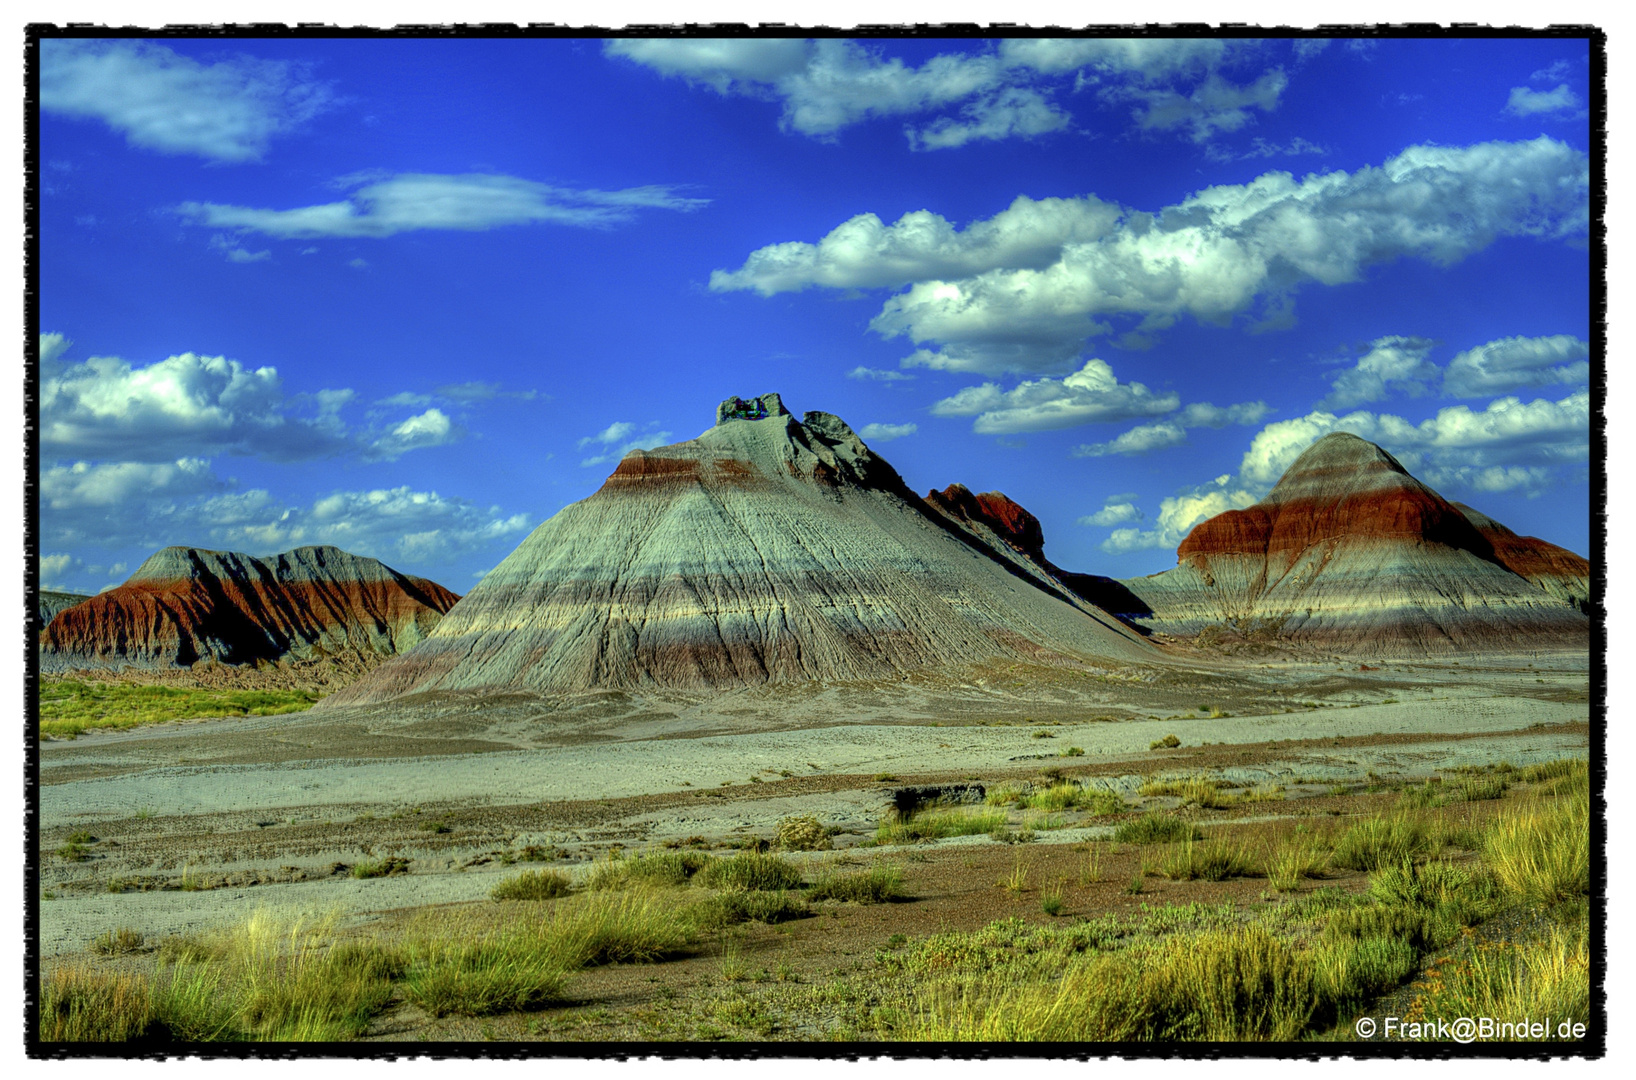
(1169, 742)
(386, 867)
(114, 942)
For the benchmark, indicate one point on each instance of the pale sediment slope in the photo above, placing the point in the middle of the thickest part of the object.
(766, 550)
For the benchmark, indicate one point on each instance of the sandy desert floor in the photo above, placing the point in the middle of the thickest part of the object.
(199, 823)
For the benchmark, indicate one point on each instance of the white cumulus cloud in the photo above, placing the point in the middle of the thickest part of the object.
(227, 111)
(1114, 512)
(469, 202)
(829, 84)
(184, 405)
(887, 432)
(1172, 431)
(1514, 363)
(878, 374)
(1014, 111)
(616, 438)
(1090, 395)
(1528, 102)
(1392, 363)
(430, 428)
(1023, 290)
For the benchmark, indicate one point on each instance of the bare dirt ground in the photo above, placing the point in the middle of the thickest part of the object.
(198, 824)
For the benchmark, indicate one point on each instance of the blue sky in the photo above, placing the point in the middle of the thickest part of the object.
(414, 297)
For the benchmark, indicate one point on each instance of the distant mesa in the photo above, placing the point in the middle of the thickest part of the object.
(186, 605)
(52, 601)
(1350, 552)
(766, 550)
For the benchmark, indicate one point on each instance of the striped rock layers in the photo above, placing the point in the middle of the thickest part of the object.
(184, 605)
(1556, 570)
(766, 550)
(1351, 553)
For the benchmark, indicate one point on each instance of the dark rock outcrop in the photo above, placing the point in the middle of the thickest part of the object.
(997, 521)
(184, 605)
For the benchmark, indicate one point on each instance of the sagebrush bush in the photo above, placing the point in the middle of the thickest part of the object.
(802, 833)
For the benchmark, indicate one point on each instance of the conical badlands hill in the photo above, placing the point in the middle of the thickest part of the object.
(184, 605)
(765, 550)
(1351, 553)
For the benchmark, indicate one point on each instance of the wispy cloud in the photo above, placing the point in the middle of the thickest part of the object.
(159, 100)
(469, 202)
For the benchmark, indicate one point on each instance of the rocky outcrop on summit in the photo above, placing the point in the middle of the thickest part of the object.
(1351, 553)
(1555, 569)
(185, 605)
(1016, 536)
(766, 550)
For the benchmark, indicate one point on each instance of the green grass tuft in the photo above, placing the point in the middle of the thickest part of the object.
(70, 707)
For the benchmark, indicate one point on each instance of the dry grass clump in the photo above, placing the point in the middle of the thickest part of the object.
(1156, 828)
(749, 870)
(461, 966)
(386, 867)
(533, 885)
(1212, 860)
(802, 833)
(1298, 858)
(1381, 842)
(1540, 851)
(1196, 790)
(654, 868)
(1008, 793)
(1169, 742)
(876, 885)
(728, 908)
(1071, 795)
(936, 824)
